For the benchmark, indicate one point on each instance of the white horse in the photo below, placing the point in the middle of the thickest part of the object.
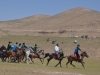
(30, 55)
(28, 52)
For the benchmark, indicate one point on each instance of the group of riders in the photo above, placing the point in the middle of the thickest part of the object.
(19, 46)
(16, 50)
(76, 51)
(56, 49)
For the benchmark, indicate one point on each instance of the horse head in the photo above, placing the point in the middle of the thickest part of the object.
(61, 52)
(84, 54)
(3, 48)
(41, 52)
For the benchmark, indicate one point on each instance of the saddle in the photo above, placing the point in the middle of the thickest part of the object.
(55, 55)
(75, 56)
(36, 53)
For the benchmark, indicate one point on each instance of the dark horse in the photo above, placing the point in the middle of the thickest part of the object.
(72, 58)
(55, 56)
(3, 51)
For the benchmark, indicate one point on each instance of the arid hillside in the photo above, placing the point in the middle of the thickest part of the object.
(76, 21)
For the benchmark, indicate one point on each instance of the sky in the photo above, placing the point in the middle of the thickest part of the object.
(17, 9)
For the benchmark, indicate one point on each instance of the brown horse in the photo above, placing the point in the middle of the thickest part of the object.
(16, 56)
(53, 55)
(20, 54)
(10, 54)
(71, 58)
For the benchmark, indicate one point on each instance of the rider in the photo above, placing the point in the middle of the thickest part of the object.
(23, 45)
(19, 46)
(9, 46)
(76, 51)
(35, 49)
(15, 47)
(56, 49)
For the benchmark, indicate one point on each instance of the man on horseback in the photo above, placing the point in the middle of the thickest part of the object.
(9, 46)
(56, 50)
(23, 45)
(35, 49)
(15, 47)
(19, 46)
(76, 54)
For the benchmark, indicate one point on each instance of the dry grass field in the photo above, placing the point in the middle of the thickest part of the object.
(92, 68)
(91, 46)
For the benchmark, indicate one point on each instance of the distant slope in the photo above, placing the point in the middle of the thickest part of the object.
(23, 21)
(68, 20)
(78, 21)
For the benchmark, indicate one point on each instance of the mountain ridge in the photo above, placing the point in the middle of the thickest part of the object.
(78, 21)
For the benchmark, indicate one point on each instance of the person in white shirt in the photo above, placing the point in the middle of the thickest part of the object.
(56, 49)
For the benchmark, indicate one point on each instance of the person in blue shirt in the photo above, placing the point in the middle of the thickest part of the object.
(15, 47)
(77, 49)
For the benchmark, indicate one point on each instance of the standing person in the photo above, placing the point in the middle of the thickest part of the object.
(15, 47)
(9, 46)
(76, 52)
(56, 49)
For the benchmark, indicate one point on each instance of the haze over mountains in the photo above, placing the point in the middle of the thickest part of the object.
(76, 21)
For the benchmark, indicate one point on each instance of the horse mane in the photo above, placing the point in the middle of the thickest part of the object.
(40, 51)
(3, 47)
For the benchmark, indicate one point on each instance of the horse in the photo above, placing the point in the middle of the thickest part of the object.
(55, 56)
(20, 54)
(38, 55)
(30, 55)
(15, 56)
(3, 52)
(72, 58)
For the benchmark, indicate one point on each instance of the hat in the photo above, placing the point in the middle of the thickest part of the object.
(10, 42)
(16, 42)
(35, 44)
(78, 45)
(57, 44)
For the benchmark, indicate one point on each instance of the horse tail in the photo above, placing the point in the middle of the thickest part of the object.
(65, 57)
(46, 55)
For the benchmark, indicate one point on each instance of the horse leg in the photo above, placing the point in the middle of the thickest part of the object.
(19, 59)
(67, 64)
(59, 63)
(41, 60)
(48, 60)
(72, 64)
(83, 65)
(26, 60)
(31, 59)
